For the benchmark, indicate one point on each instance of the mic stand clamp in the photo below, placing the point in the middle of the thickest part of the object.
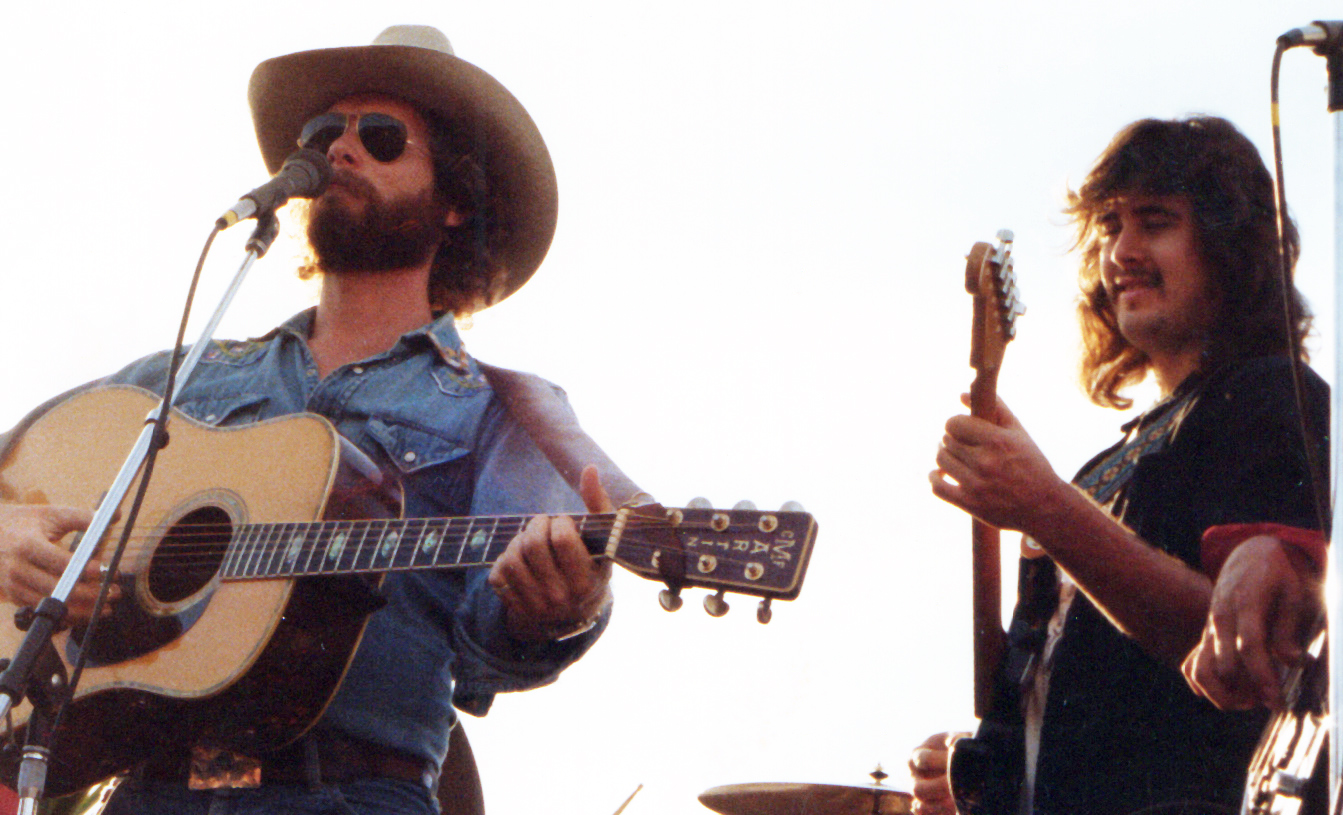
(264, 234)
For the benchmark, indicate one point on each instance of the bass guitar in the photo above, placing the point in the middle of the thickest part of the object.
(991, 278)
(248, 581)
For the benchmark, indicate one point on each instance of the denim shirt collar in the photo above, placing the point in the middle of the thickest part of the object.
(441, 333)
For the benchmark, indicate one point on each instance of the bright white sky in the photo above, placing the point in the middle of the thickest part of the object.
(755, 292)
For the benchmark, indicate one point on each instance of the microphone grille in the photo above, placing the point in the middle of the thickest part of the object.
(310, 171)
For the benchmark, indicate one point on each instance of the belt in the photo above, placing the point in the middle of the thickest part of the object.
(325, 758)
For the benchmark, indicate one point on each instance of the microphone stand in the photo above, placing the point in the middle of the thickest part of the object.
(1333, 53)
(36, 672)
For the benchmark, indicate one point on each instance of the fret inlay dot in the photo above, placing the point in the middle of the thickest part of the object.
(295, 546)
(337, 544)
(389, 544)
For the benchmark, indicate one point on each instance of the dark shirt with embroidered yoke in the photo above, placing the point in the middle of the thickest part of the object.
(1122, 732)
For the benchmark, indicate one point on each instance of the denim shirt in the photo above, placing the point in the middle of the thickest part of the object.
(423, 412)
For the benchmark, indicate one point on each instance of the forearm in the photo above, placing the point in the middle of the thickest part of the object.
(1151, 596)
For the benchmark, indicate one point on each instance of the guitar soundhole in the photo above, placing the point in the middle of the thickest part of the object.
(189, 554)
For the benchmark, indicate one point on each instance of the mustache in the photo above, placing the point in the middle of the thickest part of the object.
(351, 181)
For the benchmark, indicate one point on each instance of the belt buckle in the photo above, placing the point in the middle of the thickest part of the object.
(214, 768)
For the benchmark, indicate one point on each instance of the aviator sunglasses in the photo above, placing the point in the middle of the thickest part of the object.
(383, 136)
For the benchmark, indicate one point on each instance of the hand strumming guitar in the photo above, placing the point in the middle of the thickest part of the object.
(32, 557)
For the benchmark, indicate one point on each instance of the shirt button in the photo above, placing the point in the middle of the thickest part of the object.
(212, 418)
(409, 457)
(359, 369)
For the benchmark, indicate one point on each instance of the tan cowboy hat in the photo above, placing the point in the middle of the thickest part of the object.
(416, 64)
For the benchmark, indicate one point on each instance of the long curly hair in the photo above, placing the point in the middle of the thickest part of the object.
(1232, 201)
(465, 271)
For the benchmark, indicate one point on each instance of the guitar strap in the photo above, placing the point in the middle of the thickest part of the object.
(551, 424)
(1038, 585)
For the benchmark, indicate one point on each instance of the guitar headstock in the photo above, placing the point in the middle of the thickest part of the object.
(741, 550)
(990, 276)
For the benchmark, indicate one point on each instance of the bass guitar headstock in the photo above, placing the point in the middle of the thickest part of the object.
(742, 550)
(990, 276)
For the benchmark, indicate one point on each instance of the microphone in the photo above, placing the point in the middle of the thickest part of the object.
(304, 174)
(1319, 33)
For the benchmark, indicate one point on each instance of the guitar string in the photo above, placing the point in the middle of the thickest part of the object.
(216, 539)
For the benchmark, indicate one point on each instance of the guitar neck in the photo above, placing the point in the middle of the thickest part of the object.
(382, 545)
(990, 279)
(985, 568)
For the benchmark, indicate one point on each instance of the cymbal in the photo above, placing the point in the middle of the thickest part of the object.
(806, 799)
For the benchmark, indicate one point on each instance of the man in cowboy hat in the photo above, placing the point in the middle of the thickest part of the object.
(442, 201)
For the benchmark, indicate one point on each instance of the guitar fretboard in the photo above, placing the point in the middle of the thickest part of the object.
(349, 547)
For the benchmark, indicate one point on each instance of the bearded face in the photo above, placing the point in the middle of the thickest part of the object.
(353, 230)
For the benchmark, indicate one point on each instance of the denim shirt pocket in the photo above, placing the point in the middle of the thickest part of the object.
(434, 470)
(412, 449)
(235, 409)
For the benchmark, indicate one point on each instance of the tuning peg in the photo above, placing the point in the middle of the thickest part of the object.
(763, 613)
(716, 605)
(699, 502)
(670, 599)
(791, 506)
(745, 506)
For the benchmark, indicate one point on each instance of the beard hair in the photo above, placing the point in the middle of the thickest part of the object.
(386, 236)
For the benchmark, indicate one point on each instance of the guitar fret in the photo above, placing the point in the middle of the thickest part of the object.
(316, 543)
(382, 551)
(419, 543)
(475, 548)
(498, 540)
(332, 534)
(448, 547)
(286, 551)
(403, 557)
(266, 554)
(369, 546)
(290, 552)
(448, 543)
(335, 549)
(257, 549)
(279, 548)
(349, 560)
(241, 538)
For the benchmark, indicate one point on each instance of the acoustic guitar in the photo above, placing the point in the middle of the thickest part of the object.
(248, 581)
